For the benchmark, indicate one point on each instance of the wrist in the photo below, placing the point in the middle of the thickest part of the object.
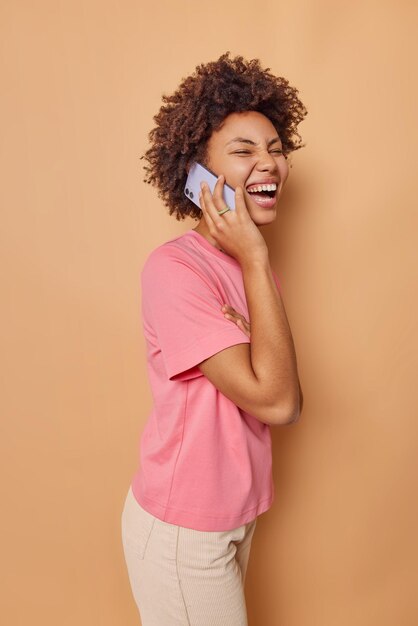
(259, 261)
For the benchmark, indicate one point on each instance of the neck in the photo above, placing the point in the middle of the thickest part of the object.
(202, 229)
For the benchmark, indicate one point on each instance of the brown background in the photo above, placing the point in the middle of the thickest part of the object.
(80, 83)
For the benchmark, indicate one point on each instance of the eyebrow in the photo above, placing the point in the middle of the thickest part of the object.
(252, 143)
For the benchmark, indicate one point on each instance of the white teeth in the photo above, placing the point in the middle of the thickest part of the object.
(271, 187)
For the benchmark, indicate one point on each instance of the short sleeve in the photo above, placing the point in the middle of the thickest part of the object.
(183, 309)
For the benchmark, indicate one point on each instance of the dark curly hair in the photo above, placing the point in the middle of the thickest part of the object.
(198, 107)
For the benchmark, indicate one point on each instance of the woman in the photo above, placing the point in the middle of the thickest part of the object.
(218, 386)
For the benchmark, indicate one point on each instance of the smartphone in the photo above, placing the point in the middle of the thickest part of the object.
(199, 173)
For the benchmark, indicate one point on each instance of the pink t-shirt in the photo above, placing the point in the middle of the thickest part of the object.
(204, 462)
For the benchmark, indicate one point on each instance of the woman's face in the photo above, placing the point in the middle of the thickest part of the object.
(246, 149)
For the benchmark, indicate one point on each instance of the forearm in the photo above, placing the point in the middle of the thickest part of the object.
(273, 356)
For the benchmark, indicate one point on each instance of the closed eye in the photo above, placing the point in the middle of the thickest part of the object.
(281, 152)
(248, 151)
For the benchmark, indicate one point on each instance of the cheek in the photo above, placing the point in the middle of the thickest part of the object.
(284, 170)
(237, 173)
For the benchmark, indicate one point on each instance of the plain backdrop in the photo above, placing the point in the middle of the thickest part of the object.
(81, 81)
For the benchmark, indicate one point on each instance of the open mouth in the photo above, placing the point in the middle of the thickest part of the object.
(263, 195)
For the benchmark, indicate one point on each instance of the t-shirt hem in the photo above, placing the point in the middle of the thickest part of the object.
(198, 521)
(206, 347)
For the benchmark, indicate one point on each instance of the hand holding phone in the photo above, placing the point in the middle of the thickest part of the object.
(199, 173)
(236, 232)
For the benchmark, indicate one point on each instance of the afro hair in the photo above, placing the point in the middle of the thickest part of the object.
(198, 107)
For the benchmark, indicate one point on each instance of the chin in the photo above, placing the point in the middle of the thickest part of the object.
(262, 217)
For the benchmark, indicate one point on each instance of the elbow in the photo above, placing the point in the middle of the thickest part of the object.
(276, 415)
(281, 416)
(282, 413)
(277, 411)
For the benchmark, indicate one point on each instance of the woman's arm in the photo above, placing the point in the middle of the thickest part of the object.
(260, 377)
(239, 319)
(273, 356)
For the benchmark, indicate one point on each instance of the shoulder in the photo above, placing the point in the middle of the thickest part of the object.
(168, 253)
(173, 261)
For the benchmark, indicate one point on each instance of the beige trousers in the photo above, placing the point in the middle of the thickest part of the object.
(185, 577)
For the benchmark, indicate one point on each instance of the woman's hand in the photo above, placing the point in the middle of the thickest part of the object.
(231, 314)
(234, 231)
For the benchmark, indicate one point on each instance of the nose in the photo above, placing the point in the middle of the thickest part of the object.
(266, 162)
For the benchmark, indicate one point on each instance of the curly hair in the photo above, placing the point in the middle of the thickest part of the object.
(202, 101)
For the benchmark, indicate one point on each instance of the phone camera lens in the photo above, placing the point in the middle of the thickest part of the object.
(191, 194)
(187, 191)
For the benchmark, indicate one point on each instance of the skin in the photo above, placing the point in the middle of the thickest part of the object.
(231, 314)
(237, 318)
(242, 164)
